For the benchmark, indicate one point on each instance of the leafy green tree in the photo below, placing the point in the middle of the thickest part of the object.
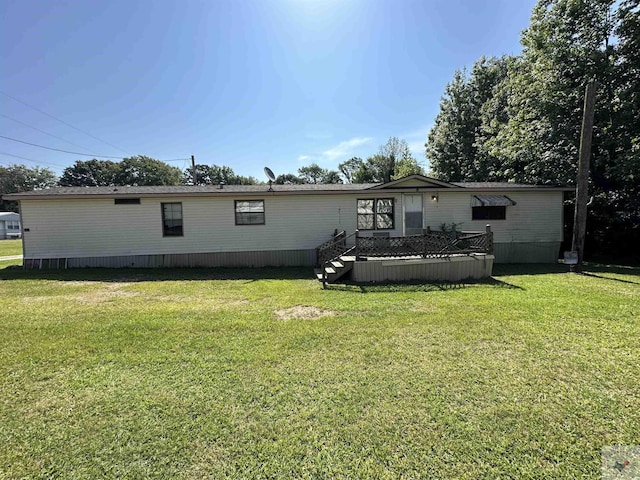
(315, 174)
(288, 178)
(142, 170)
(471, 111)
(203, 175)
(19, 178)
(90, 173)
(226, 175)
(349, 168)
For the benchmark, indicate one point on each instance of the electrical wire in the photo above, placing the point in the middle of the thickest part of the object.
(38, 130)
(62, 121)
(57, 149)
(30, 159)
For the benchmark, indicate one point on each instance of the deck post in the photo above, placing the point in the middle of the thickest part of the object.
(357, 251)
(489, 239)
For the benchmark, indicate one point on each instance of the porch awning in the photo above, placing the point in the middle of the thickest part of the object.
(491, 201)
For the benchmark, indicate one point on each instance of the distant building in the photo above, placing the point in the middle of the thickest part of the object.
(10, 225)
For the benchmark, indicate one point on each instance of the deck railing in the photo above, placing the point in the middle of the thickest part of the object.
(340, 244)
(429, 244)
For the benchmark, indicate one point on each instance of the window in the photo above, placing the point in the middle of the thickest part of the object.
(126, 201)
(172, 219)
(375, 214)
(249, 212)
(489, 213)
(13, 225)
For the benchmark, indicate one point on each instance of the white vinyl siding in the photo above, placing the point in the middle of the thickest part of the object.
(96, 227)
(536, 217)
(89, 227)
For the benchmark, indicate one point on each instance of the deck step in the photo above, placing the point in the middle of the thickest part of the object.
(348, 258)
(329, 269)
(337, 264)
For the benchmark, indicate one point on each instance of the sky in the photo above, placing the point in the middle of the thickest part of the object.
(242, 83)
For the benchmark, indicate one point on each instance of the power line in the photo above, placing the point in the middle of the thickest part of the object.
(56, 149)
(30, 159)
(62, 121)
(38, 130)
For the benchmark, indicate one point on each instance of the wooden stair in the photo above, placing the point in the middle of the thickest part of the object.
(335, 269)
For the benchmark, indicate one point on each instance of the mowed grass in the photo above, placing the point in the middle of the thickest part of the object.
(214, 374)
(10, 247)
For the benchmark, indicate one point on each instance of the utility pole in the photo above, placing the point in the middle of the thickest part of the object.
(193, 170)
(582, 182)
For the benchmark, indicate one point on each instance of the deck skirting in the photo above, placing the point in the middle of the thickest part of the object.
(450, 269)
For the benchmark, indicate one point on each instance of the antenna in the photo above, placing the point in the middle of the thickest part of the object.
(272, 178)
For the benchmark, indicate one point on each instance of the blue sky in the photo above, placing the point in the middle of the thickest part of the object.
(243, 83)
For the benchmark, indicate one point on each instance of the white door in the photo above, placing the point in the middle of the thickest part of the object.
(413, 214)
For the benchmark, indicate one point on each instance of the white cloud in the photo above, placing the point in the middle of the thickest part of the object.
(340, 152)
(345, 149)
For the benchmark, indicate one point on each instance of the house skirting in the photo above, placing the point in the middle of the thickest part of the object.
(450, 269)
(526, 252)
(274, 258)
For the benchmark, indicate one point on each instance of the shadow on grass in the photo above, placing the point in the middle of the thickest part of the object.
(158, 274)
(418, 286)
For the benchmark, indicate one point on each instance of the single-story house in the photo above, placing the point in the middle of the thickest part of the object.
(275, 225)
(9, 225)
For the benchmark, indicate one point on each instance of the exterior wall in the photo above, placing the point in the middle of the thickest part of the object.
(452, 269)
(2, 230)
(75, 228)
(95, 228)
(531, 233)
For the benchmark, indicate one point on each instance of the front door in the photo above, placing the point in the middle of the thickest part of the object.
(413, 216)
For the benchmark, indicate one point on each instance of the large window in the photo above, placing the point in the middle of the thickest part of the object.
(249, 212)
(375, 214)
(172, 219)
(489, 213)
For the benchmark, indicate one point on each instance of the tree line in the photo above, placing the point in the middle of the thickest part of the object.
(393, 160)
(518, 118)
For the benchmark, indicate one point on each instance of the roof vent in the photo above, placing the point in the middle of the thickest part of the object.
(221, 185)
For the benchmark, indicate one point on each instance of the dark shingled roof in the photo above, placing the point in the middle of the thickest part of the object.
(214, 190)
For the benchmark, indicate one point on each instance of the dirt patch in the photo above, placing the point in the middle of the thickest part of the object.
(303, 312)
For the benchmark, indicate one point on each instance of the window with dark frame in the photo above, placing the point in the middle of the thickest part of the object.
(172, 219)
(375, 214)
(489, 213)
(249, 212)
(126, 201)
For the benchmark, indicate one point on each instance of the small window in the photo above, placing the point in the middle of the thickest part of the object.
(172, 219)
(375, 214)
(13, 225)
(126, 201)
(489, 213)
(249, 212)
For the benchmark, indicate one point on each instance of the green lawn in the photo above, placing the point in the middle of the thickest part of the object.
(262, 374)
(10, 247)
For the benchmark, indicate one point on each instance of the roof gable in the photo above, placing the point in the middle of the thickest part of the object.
(415, 181)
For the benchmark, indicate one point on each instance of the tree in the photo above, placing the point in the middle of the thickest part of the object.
(19, 178)
(389, 155)
(142, 170)
(311, 174)
(518, 119)
(288, 179)
(203, 175)
(348, 168)
(316, 174)
(470, 112)
(90, 173)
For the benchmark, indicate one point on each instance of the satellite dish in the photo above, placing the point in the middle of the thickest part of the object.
(269, 174)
